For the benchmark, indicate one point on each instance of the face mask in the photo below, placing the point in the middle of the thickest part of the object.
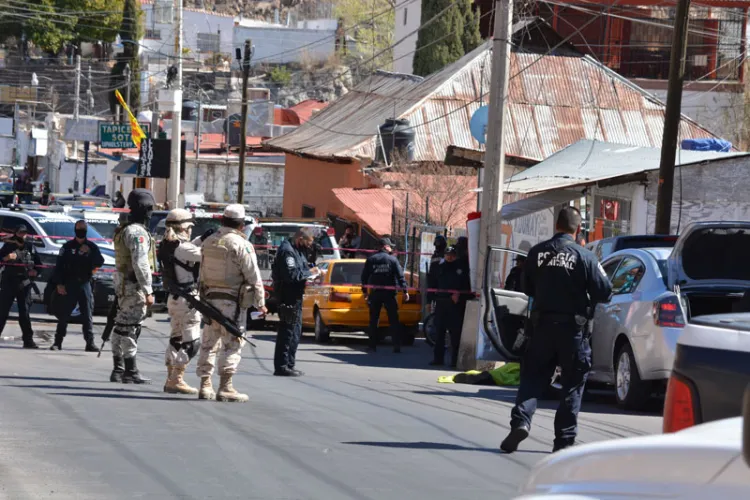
(81, 233)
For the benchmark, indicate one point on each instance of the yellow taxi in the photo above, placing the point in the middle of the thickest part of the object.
(334, 302)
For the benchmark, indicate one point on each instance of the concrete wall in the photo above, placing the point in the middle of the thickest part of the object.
(715, 191)
(712, 110)
(408, 19)
(309, 182)
(217, 180)
(193, 23)
(281, 45)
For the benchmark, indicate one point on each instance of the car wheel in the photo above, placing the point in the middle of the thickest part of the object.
(631, 392)
(322, 334)
(429, 330)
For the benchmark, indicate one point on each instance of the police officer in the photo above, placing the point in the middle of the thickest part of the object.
(230, 280)
(514, 282)
(450, 305)
(290, 272)
(383, 270)
(135, 259)
(76, 263)
(565, 282)
(19, 258)
(179, 260)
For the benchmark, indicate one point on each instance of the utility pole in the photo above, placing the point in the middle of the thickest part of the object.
(672, 119)
(494, 157)
(243, 130)
(77, 102)
(173, 187)
(198, 132)
(90, 93)
(126, 71)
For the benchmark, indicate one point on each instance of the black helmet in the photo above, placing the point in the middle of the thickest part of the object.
(141, 199)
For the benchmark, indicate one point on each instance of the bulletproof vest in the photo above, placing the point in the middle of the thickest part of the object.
(218, 268)
(123, 256)
(23, 256)
(168, 263)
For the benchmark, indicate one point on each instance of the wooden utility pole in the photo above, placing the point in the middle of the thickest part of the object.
(672, 119)
(494, 158)
(173, 183)
(243, 130)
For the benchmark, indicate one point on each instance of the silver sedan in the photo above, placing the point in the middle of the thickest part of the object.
(635, 334)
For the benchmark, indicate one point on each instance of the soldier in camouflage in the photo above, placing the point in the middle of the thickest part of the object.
(230, 280)
(135, 258)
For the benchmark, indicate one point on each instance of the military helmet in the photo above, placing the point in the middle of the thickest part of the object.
(140, 198)
(179, 216)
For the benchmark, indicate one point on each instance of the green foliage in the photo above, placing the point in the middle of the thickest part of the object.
(371, 23)
(472, 37)
(101, 20)
(446, 39)
(281, 76)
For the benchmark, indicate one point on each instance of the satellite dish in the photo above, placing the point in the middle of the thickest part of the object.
(478, 124)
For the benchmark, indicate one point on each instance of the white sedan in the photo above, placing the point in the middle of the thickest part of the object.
(702, 462)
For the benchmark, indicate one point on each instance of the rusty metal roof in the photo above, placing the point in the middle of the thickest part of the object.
(555, 100)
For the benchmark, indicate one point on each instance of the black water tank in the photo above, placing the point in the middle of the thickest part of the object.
(189, 111)
(397, 135)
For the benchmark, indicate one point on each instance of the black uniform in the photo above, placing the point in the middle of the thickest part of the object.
(449, 314)
(515, 280)
(565, 282)
(290, 273)
(16, 283)
(383, 269)
(75, 267)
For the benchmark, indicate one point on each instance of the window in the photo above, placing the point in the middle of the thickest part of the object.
(10, 224)
(628, 276)
(610, 267)
(347, 273)
(308, 212)
(208, 42)
(153, 34)
(163, 12)
(406, 13)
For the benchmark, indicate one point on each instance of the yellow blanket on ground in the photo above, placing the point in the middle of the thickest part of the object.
(508, 374)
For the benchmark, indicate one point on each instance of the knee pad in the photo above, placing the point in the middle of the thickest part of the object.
(192, 348)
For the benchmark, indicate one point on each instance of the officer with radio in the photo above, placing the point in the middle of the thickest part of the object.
(565, 282)
(19, 258)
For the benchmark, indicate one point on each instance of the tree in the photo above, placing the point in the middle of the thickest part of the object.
(440, 42)
(131, 32)
(101, 20)
(371, 23)
(472, 36)
(37, 22)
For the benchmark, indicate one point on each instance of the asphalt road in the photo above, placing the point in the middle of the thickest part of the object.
(357, 426)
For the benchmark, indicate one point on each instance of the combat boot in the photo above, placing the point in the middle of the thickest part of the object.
(169, 378)
(131, 375)
(118, 370)
(175, 383)
(228, 393)
(206, 391)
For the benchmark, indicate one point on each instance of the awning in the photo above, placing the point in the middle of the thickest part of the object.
(537, 203)
(126, 167)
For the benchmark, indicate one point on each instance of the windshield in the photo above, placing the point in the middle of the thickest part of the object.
(104, 227)
(62, 231)
(204, 224)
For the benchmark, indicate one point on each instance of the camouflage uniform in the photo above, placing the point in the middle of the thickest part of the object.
(185, 321)
(230, 280)
(135, 260)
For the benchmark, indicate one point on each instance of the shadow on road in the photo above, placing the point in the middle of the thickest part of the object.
(602, 402)
(120, 396)
(48, 379)
(423, 445)
(74, 388)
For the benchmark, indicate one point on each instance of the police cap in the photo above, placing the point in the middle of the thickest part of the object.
(386, 242)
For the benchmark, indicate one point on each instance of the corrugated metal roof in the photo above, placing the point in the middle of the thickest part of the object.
(374, 207)
(555, 100)
(586, 162)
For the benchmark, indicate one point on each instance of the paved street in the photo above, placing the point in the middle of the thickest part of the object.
(356, 426)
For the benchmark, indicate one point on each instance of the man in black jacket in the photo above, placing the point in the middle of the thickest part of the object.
(20, 258)
(383, 270)
(76, 263)
(290, 273)
(450, 305)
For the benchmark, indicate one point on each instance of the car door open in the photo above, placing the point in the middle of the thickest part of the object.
(504, 321)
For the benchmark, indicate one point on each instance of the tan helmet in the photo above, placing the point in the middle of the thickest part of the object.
(179, 216)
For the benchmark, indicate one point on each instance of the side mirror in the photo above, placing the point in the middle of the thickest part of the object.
(746, 426)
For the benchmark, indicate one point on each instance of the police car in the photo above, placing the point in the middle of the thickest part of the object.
(50, 230)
